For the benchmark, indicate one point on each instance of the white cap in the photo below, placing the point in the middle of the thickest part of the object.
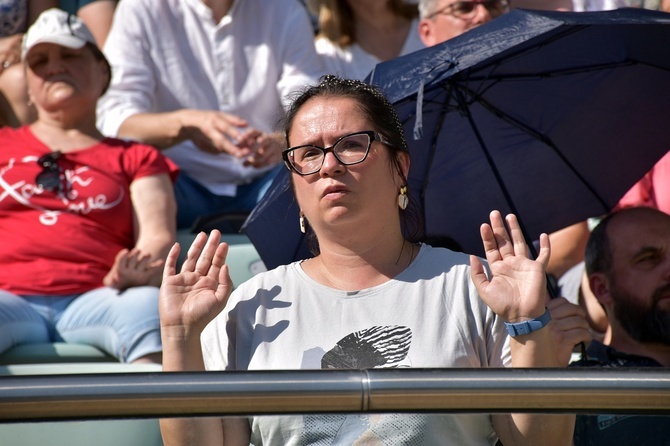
(59, 27)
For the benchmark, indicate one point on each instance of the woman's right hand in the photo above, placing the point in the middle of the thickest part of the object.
(190, 299)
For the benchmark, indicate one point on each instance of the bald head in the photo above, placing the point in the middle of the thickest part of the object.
(625, 232)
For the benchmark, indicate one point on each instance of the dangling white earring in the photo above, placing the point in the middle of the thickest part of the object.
(403, 199)
(302, 222)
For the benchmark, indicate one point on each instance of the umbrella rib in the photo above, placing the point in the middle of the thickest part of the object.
(554, 73)
(558, 34)
(546, 140)
(465, 110)
(433, 149)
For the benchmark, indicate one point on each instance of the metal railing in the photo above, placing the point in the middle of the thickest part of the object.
(156, 394)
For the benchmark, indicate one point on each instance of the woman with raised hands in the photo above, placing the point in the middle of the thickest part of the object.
(369, 298)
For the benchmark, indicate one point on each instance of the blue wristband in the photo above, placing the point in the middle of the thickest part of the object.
(525, 327)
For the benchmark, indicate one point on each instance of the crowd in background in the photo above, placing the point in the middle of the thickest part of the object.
(177, 107)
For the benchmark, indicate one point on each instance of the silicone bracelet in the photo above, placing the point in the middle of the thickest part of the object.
(525, 327)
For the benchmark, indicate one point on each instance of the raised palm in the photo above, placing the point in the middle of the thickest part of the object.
(190, 299)
(516, 290)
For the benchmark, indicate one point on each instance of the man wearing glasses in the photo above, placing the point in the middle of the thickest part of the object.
(442, 20)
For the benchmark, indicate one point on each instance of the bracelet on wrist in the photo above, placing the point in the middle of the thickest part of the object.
(526, 327)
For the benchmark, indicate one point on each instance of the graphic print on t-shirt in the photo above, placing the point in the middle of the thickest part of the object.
(84, 190)
(374, 347)
(369, 348)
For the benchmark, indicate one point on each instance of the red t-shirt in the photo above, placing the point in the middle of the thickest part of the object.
(653, 189)
(57, 243)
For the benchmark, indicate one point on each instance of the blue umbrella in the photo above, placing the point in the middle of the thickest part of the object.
(550, 115)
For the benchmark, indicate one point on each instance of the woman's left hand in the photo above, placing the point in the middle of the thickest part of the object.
(516, 290)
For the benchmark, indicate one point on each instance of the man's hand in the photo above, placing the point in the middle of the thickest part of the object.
(568, 327)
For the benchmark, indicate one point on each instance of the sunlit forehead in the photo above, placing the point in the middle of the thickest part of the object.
(322, 121)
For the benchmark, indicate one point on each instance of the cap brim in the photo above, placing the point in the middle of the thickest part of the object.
(68, 41)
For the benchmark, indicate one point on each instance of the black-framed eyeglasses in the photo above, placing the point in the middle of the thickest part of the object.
(51, 176)
(468, 9)
(349, 149)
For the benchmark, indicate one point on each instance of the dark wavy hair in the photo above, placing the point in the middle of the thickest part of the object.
(380, 112)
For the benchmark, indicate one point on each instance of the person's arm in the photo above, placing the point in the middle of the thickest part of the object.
(212, 131)
(516, 292)
(98, 16)
(154, 221)
(567, 248)
(127, 109)
(188, 301)
(155, 212)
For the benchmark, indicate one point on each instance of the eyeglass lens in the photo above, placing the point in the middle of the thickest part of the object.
(467, 8)
(50, 177)
(351, 149)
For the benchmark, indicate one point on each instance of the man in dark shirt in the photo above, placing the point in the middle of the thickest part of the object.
(628, 265)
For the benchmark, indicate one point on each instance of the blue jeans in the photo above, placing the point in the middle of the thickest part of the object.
(125, 325)
(194, 200)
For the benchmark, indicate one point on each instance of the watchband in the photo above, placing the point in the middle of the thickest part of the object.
(525, 327)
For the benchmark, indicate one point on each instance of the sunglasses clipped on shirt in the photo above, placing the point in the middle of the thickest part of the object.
(51, 177)
(468, 9)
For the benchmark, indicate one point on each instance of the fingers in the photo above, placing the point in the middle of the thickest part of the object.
(518, 240)
(489, 238)
(204, 262)
(194, 252)
(250, 137)
(112, 279)
(502, 238)
(218, 262)
(225, 279)
(226, 133)
(477, 273)
(569, 320)
(265, 150)
(214, 131)
(560, 307)
(155, 264)
(170, 268)
(206, 257)
(120, 258)
(232, 120)
(545, 250)
(501, 241)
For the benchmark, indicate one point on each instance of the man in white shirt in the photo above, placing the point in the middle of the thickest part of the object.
(206, 81)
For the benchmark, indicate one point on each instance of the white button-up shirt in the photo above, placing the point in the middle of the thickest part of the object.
(168, 55)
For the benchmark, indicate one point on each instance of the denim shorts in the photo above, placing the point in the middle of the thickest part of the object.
(123, 324)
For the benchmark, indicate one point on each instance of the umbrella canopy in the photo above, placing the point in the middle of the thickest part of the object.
(550, 115)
